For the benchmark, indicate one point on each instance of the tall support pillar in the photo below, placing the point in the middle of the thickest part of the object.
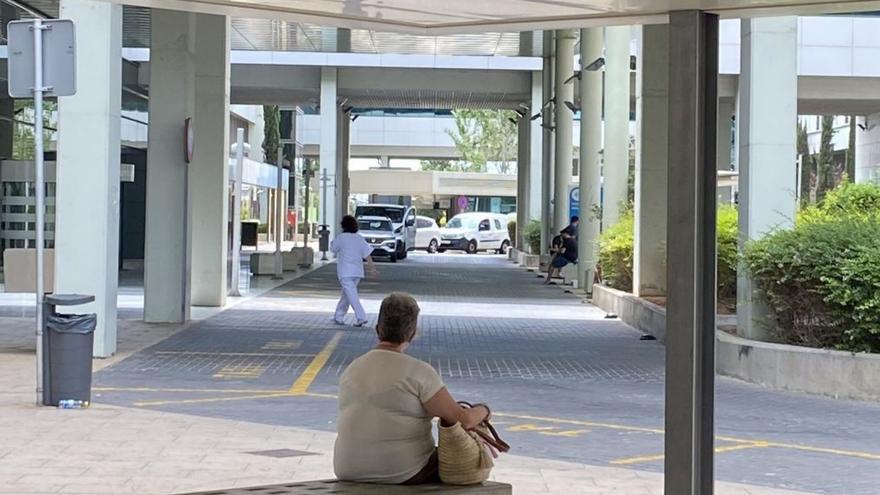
(209, 176)
(590, 175)
(168, 215)
(868, 149)
(616, 154)
(536, 150)
(329, 142)
(564, 118)
(87, 194)
(690, 311)
(548, 146)
(652, 141)
(767, 145)
(523, 172)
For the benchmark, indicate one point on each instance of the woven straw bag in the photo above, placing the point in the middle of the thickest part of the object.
(466, 456)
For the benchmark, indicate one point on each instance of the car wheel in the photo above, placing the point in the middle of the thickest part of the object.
(393, 258)
(504, 247)
(432, 246)
(441, 250)
(472, 247)
(403, 253)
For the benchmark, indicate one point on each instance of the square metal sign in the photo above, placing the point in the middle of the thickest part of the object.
(58, 57)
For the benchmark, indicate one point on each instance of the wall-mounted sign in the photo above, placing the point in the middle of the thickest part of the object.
(574, 201)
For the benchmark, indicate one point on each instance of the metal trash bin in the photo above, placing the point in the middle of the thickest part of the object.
(324, 239)
(67, 349)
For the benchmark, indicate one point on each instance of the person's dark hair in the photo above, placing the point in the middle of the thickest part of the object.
(398, 318)
(574, 219)
(349, 224)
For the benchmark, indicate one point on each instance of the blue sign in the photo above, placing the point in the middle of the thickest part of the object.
(574, 201)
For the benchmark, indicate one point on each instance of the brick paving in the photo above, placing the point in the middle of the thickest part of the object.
(575, 393)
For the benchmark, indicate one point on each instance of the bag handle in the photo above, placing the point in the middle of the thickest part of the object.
(492, 437)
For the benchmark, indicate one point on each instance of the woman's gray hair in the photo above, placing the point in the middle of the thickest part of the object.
(398, 318)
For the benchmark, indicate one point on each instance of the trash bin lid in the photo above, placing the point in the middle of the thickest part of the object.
(69, 299)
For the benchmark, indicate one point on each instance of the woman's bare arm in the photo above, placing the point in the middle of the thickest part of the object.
(443, 406)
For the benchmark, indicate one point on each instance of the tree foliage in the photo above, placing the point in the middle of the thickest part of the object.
(484, 136)
(808, 165)
(23, 134)
(271, 132)
(825, 159)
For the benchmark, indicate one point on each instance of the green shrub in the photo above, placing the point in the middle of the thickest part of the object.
(821, 281)
(511, 231)
(532, 233)
(847, 200)
(727, 234)
(616, 253)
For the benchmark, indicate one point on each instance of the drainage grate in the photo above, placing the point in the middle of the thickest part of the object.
(281, 453)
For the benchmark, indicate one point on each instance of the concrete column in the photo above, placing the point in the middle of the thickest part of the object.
(536, 150)
(690, 310)
(7, 105)
(172, 101)
(652, 141)
(329, 143)
(726, 110)
(590, 175)
(616, 154)
(767, 144)
(87, 181)
(564, 118)
(868, 149)
(523, 173)
(344, 158)
(548, 146)
(209, 177)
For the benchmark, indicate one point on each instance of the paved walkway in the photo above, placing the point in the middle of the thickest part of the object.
(579, 397)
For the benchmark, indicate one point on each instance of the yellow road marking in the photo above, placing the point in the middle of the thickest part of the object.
(274, 345)
(718, 450)
(184, 390)
(531, 427)
(241, 371)
(211, 399)
(235, 354)
(824, 450)
(591, 424)
(566, 433)
(302, 384)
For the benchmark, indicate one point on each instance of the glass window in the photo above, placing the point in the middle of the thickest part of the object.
(497, 224)
(394, 213)
(14, 189)
(484, 226)
(380, 225)
(461, 223)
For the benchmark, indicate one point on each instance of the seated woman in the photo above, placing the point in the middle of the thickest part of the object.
(386, 403)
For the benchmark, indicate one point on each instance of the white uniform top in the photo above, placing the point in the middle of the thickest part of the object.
(350, 250)
(384, 432)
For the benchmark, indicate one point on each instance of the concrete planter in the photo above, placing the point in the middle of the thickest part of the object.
(780, 366)
(645, 316)
(530, 261)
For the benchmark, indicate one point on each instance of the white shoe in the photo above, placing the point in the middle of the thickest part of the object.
(338, 322)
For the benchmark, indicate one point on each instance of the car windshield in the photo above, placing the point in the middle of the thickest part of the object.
(395, 214)
(462, 223)
(374, 225)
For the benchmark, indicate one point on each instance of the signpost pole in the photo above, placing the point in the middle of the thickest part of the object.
(236, 213)
(324, 226)
(40, 193)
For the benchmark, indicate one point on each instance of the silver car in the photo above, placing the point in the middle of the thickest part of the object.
(379, 233)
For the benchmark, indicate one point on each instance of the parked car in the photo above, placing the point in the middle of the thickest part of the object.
(427, 234)
(403, 221)
(472, 232)
(379, 234)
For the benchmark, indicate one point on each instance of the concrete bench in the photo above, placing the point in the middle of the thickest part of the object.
(343, 487)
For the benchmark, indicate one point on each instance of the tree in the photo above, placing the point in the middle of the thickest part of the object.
(271, 132)
(23, 130)
(808, 166)
(825, 159)
(450, 166)
(851, 150)
(483, 136)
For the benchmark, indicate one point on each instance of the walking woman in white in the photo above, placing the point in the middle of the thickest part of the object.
(351, 252)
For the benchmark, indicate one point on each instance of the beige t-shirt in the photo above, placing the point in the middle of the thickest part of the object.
(384, 432)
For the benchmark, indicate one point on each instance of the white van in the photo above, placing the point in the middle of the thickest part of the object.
(403, 220)
(472, 232)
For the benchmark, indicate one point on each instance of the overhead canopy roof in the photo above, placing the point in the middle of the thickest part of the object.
(436, 17)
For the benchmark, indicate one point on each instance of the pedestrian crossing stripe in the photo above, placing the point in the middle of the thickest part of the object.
(241, 371)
